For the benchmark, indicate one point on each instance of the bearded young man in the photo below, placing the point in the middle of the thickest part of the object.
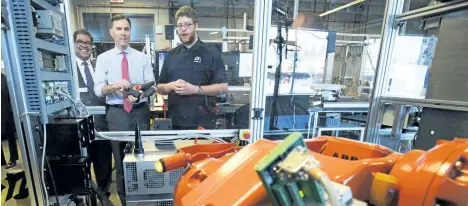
(192, 75)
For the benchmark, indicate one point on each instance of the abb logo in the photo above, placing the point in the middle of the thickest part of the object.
(344, 156)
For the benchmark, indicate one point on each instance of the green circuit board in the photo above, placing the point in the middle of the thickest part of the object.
(287, 190)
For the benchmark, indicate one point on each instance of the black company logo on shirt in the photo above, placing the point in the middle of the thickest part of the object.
(197, 59)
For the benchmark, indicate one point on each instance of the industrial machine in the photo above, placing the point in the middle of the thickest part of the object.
(321, 171)
(328, 92)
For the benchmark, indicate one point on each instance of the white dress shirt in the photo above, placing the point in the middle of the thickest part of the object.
(109, 71)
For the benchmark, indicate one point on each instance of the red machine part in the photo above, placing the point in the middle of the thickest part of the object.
(352, 163)
(194, 153)
(225, 176)
(230, 180)
(439, 176)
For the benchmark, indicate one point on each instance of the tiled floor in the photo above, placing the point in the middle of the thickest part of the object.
(25, 202)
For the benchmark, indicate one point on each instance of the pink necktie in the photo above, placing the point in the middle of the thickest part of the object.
(127, 104)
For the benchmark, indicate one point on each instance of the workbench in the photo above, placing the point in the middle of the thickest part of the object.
(342, 106)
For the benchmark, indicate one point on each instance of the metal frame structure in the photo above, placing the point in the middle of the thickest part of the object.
(258, 94)
(19, 105)
(394, 18)
(29, 128)
(28, 45)
(344, 128)
(389, 33)
(151, 136)
(25, 78)
(314, 130)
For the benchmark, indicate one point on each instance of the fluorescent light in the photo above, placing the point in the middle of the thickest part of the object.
(341, 7)
(215, 32)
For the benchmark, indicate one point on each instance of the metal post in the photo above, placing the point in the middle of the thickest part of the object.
(257, 94)
(406, 7)
(401, 111)
(389, 33)
(67, 9)
(330, 59)
(279, 45)
(148, 45)
(245, 21)
(364, 58)
(316, 120)
(296, 8)
(343, 73)
(225, 43)
(328, 73)
(397, 121)
(19, 106)
(309, 125)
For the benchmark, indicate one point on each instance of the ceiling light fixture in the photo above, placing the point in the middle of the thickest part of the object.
(341, 7)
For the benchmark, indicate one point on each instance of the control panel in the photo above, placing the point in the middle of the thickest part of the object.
(49, 23)
(52, 62)
(51, 91)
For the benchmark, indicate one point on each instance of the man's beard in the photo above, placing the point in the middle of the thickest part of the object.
(190, 40)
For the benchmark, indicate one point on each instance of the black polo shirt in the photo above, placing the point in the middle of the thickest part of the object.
(200, 65)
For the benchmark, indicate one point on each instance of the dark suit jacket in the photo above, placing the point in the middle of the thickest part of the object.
(8, 122)
(89, 99)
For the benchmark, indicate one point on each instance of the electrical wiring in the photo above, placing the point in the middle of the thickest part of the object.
(79, 107)
(52, 181)
(99, 194)
(317, 36)
(165, 138)
(43, 162)
(81, 110)
(42, 156)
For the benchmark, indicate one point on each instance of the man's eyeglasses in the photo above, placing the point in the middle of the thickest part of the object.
(185, 25)
(86, 43)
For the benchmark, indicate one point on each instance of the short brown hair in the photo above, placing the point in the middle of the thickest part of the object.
(119, 17)
(82, 31)
(188, 12)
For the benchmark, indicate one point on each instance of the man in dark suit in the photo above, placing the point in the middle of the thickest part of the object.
(8, 125)
(100, 151)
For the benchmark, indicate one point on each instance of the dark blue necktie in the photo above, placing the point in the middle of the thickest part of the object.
(89, 79)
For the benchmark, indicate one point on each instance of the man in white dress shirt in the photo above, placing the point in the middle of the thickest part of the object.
(116, 69)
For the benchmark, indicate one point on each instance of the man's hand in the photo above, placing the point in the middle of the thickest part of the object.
(170, 87)
(123, 85)
(185, 88)
(119, 86)
(132, 99)
(177, 83)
